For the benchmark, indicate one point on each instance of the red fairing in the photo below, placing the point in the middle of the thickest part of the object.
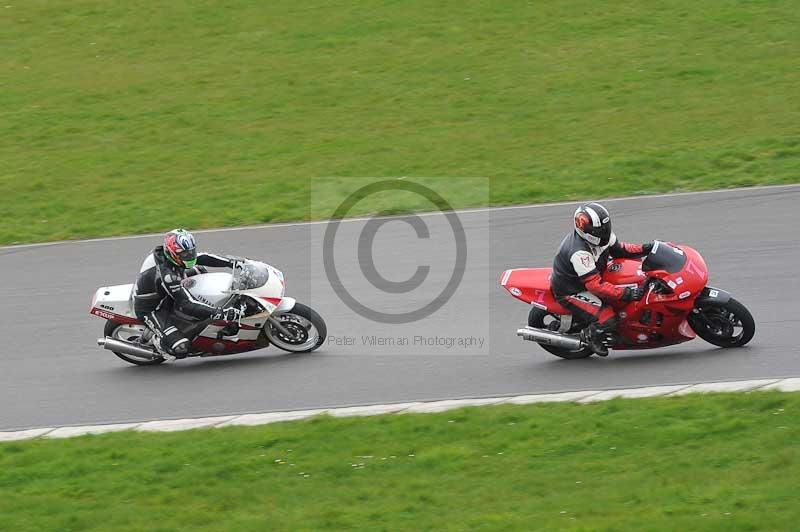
(595, 284)
(208, 345)
(532, 285)
(223, 323)
(658, 320)
(624, 271)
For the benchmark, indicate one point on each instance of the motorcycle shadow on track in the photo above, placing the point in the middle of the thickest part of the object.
(650, 359)
(219, 364)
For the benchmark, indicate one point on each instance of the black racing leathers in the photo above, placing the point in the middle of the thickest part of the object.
(160, 292)
(160, 279)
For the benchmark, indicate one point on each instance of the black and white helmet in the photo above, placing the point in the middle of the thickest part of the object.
(593, 224)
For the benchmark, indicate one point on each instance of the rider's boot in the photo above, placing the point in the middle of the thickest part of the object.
(174, 343)
(598, 336)
(180, 349)
(153, 332)
(158, 342)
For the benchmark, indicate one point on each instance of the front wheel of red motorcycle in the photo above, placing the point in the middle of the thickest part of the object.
(728, 325)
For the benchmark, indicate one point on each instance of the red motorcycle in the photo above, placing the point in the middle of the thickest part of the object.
(676, 307)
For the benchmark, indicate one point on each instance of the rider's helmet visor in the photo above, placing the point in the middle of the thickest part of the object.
(187, 255)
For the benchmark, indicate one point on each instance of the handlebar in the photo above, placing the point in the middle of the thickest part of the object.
(657, 285)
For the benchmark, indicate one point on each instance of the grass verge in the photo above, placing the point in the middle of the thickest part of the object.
(710, 462)
(129, 117)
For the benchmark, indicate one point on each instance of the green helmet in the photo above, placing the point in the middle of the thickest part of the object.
(180, 248)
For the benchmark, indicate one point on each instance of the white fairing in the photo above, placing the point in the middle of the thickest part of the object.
(114, 302)
(148, 263)
(215, 288)
(274, 287)
(114, 299)
(287, 304)
(211, 288)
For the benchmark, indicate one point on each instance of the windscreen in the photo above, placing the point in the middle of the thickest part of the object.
(248, 275)
(664, 257)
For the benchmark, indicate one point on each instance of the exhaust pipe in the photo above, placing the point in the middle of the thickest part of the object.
(542, 336)
(126, 348)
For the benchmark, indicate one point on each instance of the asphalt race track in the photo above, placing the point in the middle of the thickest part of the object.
(52, 372)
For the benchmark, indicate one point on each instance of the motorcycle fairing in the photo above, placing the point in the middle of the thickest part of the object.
(657, 320)
(712, 296)
(532, 285)
(115, 303)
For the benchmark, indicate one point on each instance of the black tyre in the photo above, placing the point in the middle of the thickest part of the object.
(729, 325)
(308, 327)
(118, 332)
(541, 319)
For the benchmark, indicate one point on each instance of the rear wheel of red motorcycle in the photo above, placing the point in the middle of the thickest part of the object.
(541, 319)
(729, 325)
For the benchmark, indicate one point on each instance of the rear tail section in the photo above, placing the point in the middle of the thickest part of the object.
(532, 285)
(113, 303)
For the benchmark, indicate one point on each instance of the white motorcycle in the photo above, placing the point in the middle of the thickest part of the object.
(268, 317)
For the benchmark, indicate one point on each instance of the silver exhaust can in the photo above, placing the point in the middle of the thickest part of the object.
(126, 348)
(542, 336)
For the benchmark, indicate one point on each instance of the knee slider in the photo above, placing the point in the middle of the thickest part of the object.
(182, 347)
(177, 343)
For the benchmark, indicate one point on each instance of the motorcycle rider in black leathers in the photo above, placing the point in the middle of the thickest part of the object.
(577, 281)
(161, 298)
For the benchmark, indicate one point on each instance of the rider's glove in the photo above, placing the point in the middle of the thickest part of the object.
(647, 248)
(632, 294)
(197, 270)
(228, 314)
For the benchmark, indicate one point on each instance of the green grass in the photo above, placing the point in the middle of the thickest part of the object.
(715, 462)
(124, 117)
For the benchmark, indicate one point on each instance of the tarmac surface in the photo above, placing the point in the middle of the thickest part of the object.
(53, 374)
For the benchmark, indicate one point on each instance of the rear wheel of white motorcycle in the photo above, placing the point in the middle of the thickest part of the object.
(541, 319)
(304, 323)
(127, 333)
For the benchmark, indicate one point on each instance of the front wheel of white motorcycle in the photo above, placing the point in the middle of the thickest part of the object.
(307, 327)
